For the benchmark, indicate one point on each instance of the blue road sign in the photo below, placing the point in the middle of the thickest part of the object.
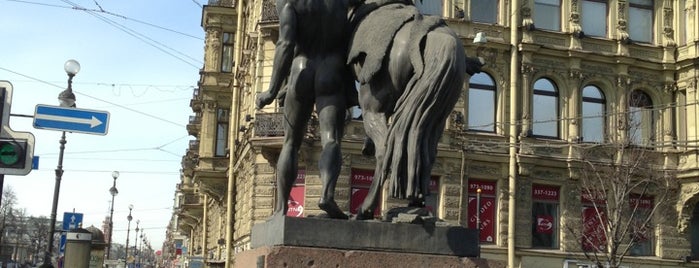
(71, 119)
(70, 221)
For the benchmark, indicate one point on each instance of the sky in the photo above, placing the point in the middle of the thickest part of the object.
(140, 62)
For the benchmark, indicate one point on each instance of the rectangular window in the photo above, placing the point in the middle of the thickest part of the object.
(227, 53)
(681, 115)
(641, 20)
(642, 234)
(594, 17)
(487, 208)
(641, 126)
(359, 186)
(430, 7)
(545, 216)
(222, 116)
(594, 218)
(298, 195)
(432, 200)
(547, 14)
(484, 11)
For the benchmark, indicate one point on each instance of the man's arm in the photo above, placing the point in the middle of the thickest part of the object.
(283, 54)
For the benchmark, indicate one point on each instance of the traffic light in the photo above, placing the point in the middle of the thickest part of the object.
(12, 153)
(16, 148)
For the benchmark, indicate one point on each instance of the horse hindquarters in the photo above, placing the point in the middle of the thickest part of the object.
(421, 113)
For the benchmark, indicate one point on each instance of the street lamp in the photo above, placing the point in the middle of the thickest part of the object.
(135, 247)
(113, 191)
(128, 231)
(65, 99)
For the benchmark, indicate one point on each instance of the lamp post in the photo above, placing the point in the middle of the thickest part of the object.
(135, 247)
(128, 231)
(139, 260)
(66, 99)
(113, 191)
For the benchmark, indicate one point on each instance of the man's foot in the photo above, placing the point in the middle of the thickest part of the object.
(332, 209)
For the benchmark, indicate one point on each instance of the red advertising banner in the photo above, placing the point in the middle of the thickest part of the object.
(544, 224)
(296, 201)
(362, 177)
(545, 192)
(645, 202)
(300, 177)
(487, 187)
(594, 222)
(487, 215)
(593, 196)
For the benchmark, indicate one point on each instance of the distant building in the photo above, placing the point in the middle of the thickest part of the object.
(577, 59)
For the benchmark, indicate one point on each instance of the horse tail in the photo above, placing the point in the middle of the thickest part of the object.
(421, 112)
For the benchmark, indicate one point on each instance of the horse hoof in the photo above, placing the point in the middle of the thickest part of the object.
(364, 216)
(334, 212)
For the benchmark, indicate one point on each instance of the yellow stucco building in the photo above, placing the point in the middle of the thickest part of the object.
(569, 74)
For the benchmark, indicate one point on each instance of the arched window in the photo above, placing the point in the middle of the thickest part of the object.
(481, 103)
(641, 126)
(545, 109)
(593, 114)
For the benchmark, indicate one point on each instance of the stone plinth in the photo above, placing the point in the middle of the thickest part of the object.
(303, 257)
(366, 235)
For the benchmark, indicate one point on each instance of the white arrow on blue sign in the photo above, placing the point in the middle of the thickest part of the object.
(71, 119)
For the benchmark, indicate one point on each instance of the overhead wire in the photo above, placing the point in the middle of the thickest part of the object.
(111, 14)
(149, 41)
(95, 98)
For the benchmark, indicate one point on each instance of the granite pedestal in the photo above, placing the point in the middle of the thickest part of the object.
(366, 235)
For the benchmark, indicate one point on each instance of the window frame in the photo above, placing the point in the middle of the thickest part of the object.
(485, 88)
(538, 22)
(493, 4)
(632, 22)
(227, 52)
(584, 117)
(583, 19)
(646, 123)
(556, 225)
(222, 129)
(555, 94)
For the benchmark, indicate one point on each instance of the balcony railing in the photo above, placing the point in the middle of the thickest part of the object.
(269, 11)
(269, 125)
(223, 3)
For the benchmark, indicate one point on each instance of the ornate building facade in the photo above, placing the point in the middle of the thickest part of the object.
(568, 75)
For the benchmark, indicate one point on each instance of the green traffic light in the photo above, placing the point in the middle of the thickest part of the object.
(9, 153)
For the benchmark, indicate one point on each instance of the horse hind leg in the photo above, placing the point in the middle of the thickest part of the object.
(376, 127)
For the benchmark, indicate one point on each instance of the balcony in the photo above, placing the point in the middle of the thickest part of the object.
(222, 3)
(196, 102)
(194, 146)
(269, 125)
(194, 125)
(269, 12)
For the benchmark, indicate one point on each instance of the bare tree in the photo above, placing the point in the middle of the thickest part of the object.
(9, 201)
(621, 191)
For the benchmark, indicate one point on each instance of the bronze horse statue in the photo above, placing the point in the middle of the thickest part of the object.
(411, 69)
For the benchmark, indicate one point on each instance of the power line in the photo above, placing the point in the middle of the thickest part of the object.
(149, 41)
(111, 14)
(98, 99)
(197, 3)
